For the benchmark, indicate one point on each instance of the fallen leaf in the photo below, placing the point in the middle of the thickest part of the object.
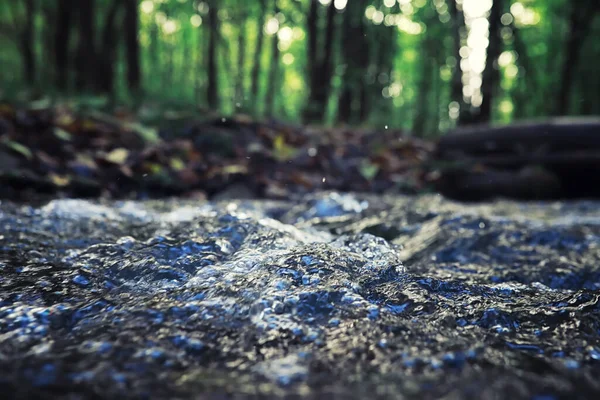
(368, 170)
(59, 180)
(177, 164)
(117, 156)
(150, 135)
(87, 160)
(88, 124)
(125, 170)
(19, 148)
(281, 150)
(65, 120)
(153, 168)
(62, 134)
(234, 169)
(47, 159)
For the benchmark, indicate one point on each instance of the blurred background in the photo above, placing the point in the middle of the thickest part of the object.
(420, 65)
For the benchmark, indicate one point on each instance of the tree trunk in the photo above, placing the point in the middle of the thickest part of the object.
(212, 90)
(321, 68)
(106, 73)
(355, 57)
(257, 55)
(273, 72)
(383, 52)
(238, 101)
(199, 66)
(61, 44)
(155, 50)
(45, 75)
(491, 74)
(312, 27)
(527, 81)
(456, 88)
(132, 45)
(581, 16)
(27, 42)
(86, 52)
(425, 85)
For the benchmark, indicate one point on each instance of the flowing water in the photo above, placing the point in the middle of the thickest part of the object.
(330, 296)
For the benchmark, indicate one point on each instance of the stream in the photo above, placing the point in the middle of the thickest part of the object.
(328, 296)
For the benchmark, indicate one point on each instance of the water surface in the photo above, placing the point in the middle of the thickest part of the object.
(339, 295)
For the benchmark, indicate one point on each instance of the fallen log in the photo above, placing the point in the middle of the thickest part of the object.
(525, 138)
(554, 159)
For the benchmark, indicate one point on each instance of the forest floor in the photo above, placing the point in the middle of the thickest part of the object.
(68, 151)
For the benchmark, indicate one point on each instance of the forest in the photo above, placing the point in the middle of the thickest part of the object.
(423, 66)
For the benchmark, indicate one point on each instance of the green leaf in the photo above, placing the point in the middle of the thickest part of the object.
(150, 135)
(19, 148)
(368, 170)
(62, 134)
(177, 164)
(281, 150)
(40, 104)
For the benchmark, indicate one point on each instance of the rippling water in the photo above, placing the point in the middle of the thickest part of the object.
(346, 296)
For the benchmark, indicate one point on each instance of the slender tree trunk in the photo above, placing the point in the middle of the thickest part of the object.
(273, 72)
(365, 105)
(86, 53)
(456, 88)
(312, 60)
(61, 45)
(422, 107)
(435, 99)
(47, 39)
(199, 63)
(241, 61)
(348, 90)
(27, 41)
(212, 94)
(321, 68)
(491, 74)
(581, 16)
(258, 55)
(132, 45)
(384, 50)
(106, 73)
(363, 65)
(356, 59)
(157, 82)
(527, 80)
(170, 71)
(312, 28)
(345, 105)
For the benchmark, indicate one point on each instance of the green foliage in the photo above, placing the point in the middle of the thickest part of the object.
(406, 82)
